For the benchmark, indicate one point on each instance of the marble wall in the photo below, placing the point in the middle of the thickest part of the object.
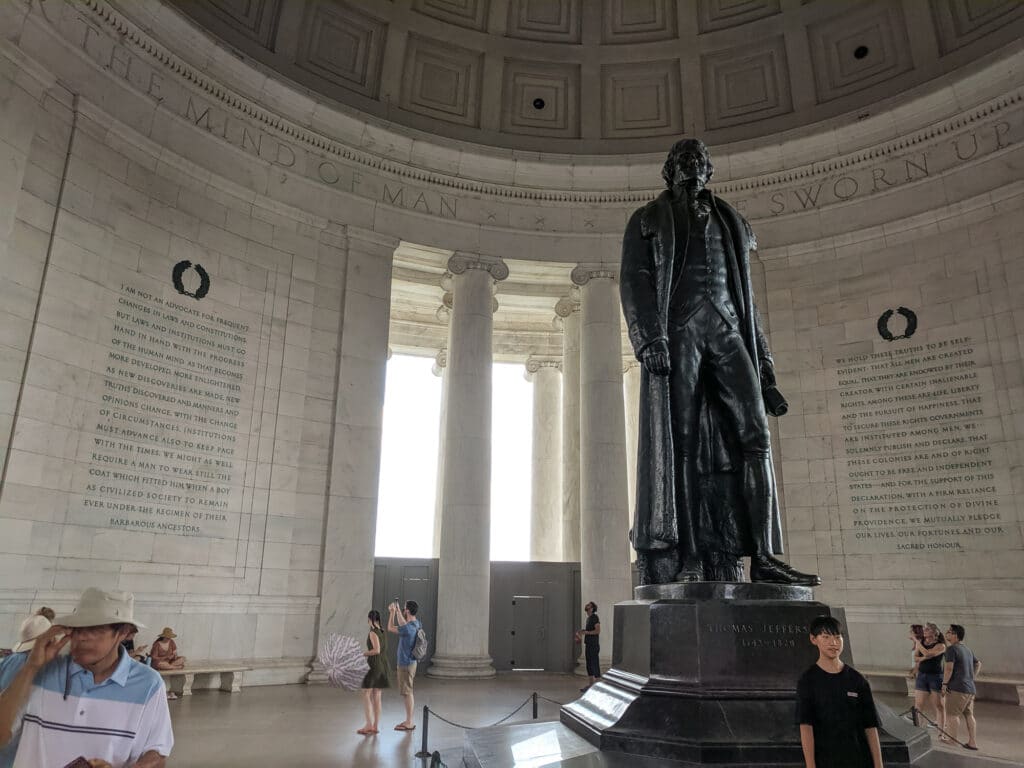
(170, 438)
(97, 476)
(901, 458)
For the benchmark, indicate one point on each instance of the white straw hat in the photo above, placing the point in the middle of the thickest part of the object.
(31, 628)
(96, 608)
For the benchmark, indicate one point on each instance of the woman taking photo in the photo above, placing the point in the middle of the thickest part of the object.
(379, 675)
(928, 685)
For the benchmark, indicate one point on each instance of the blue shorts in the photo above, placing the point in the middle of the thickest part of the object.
(930, 682)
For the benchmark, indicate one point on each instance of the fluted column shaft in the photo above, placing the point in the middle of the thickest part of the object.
(604, 546)
(546, 475)
(463, 599)
(631, 393)
(568, 309)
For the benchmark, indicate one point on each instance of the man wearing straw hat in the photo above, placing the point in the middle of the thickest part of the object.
(96, 703)
(31, 628)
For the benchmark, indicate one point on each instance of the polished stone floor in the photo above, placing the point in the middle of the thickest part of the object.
(314, 726)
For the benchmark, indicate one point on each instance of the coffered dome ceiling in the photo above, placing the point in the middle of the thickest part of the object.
(610, 76)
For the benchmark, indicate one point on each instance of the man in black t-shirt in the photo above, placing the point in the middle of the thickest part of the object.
(591, 644)
(835, 709)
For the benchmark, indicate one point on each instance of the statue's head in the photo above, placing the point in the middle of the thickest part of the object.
(688, 160)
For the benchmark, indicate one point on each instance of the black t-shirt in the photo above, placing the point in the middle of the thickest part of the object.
(840, 707)
(592, 622)
(932, 666)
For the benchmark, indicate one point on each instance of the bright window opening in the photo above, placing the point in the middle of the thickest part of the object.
(408, 472)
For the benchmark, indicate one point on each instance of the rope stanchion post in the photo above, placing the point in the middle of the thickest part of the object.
(425, 724)
(534, 705)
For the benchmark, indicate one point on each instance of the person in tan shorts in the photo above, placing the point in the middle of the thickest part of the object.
(406, 675)
(403, 622)
(958, 688)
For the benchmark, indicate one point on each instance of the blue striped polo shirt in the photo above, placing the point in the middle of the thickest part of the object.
(117, 720)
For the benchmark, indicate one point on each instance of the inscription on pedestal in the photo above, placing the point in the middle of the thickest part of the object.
(920, 466)
(760, 635)
(166, 453)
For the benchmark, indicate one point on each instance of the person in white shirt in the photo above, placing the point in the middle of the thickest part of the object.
(96, 703)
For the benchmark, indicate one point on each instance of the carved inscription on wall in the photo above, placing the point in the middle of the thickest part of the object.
(380, 181)
(166, 453)
(920, 465)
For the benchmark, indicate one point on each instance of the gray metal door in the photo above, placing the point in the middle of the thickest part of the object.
(529, 632)
(394, 578)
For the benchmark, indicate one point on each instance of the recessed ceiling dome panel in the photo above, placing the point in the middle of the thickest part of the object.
(615, 76)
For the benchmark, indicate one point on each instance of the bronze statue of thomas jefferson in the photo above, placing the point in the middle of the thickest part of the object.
(705, 483)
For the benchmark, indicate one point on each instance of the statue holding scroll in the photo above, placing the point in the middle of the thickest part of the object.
(705, 483)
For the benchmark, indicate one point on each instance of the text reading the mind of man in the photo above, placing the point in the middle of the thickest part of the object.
(920, 469)
(329, 164)
(167, 455)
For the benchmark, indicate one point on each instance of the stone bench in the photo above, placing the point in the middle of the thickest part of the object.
(988, 685)
(230, 676)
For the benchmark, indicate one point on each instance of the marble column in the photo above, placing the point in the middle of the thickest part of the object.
(567, 312)
(546, 474)
(463, 590)
(351, 518)
(604, 516)
(440, 369)
(631, 393)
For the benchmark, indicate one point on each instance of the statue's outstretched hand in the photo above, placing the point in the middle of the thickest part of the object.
(655, 358)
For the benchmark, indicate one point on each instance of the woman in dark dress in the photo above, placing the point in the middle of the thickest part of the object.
(928, 652)
(378, 677)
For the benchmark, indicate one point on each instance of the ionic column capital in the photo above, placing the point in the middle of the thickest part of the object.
(566, 305)
(463, 261)
(629, 364)
(444, 310)
(440, 362)
(535, 363)
(584, 273)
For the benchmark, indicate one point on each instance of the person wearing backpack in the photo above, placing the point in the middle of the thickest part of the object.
(412, 647)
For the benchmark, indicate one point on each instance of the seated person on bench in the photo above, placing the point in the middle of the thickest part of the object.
(165, 653)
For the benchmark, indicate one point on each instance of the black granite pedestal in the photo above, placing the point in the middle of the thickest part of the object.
(705, 674)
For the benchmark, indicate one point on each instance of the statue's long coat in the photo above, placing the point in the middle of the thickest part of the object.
(648, 251)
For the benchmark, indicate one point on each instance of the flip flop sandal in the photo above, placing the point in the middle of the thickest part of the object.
(401, 727)
(968, 746)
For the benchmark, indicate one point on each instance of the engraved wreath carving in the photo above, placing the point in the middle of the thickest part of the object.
(883, 324)
(179, 286)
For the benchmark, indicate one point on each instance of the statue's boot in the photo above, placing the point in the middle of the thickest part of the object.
(769, 570)
(764, 567)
